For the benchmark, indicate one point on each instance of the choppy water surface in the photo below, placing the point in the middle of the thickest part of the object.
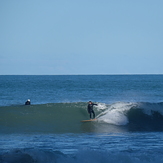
(128, 127)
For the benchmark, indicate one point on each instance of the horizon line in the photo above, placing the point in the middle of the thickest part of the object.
(75, 74)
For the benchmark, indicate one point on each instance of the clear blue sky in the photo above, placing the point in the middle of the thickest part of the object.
(51, 37)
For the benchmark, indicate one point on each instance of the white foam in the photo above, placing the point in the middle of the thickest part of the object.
(101, 106)
(116, 113)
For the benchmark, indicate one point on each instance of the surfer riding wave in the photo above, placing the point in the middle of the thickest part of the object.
(90, 109)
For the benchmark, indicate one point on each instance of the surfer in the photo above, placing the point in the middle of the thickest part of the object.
(28, 102)
(90, 109)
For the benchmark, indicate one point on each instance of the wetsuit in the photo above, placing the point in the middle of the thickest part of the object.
(27, 103)
(90, 110)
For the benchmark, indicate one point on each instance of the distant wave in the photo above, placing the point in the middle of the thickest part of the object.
(66, 118)
(82, 156)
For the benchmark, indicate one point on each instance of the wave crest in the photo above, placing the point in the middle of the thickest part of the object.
(66, 117)
(148, 116)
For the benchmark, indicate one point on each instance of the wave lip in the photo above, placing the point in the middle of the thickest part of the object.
(135, 116)
(115, 113)
(146, 117)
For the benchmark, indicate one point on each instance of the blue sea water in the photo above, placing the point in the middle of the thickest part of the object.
(129, 126)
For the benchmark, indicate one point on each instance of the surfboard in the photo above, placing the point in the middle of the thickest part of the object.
(90, 120)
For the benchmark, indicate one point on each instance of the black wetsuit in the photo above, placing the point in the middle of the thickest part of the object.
(27, 103)
(90, 110)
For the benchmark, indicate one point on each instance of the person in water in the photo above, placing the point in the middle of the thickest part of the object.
(90, 109)
(28, 102)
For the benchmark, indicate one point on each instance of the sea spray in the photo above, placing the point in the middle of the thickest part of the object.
(115, 113)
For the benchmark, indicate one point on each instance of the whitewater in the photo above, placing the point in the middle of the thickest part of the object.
(129, 116)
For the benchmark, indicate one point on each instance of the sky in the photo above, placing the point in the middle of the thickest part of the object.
(80, 37)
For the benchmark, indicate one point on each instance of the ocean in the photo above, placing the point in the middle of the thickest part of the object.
(128, 129)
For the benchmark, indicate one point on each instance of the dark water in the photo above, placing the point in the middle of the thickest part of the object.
(129, 114)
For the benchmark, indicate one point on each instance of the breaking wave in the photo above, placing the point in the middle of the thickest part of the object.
(66, 118)
(136, 116)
